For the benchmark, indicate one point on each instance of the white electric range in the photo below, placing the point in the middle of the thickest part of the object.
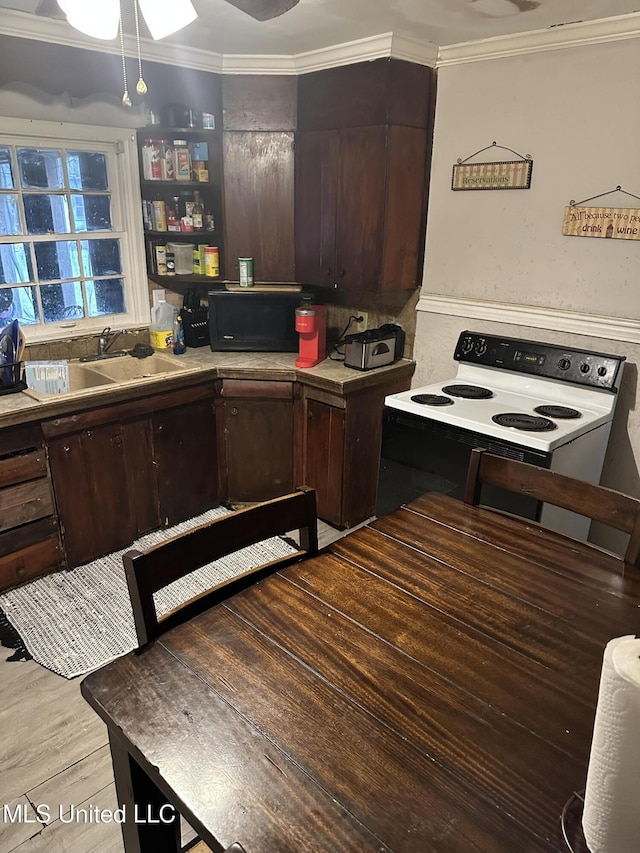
(548, 405)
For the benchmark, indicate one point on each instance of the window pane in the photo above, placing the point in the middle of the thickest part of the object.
(106, 297)
(62, 301)
(40, 169)
(101, 257)
(9, 215)
(18, 303)
(91, 212)
(15, 263)
(6, 172)
(46, 214)
(57, 259)
(87, 170)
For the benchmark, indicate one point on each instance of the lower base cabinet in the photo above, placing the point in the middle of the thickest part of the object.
(29, 530)
(122, 470)
(340, 449)
(255, 439)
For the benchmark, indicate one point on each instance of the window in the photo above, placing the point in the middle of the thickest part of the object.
(71, 247)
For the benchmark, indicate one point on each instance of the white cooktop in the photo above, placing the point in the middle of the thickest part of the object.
(512, 393)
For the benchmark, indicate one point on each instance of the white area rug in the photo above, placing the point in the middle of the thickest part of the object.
(75, 621)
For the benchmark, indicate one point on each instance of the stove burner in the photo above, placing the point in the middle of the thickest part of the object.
(469, 392)
(432, 400)
(559, 412)
(519, 420)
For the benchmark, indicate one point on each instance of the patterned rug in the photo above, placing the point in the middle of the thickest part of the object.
(75, 621)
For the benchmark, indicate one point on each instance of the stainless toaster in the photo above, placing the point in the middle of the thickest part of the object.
(373, 348)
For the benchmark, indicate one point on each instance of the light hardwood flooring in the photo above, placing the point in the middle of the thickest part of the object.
(54, 752)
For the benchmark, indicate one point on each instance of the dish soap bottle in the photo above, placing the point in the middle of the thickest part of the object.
(179, 347)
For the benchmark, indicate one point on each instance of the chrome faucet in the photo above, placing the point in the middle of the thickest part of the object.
(106, 340)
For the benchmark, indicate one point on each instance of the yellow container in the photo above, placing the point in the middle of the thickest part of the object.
(211, 261)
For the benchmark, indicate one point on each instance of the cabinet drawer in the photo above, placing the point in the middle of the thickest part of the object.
(25, 502)
(30, 562)
(257, 389)
(26, 466)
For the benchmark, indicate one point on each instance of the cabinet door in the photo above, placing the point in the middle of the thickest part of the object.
(257, 437)
(360, 209)
(316, 198)
(89, 479)
(324, 458)
(185, 456)
(259, 201)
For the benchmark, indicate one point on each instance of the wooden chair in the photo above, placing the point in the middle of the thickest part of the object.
(150, 570)
(596, 502)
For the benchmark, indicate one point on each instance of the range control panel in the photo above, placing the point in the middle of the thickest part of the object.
(593, 369)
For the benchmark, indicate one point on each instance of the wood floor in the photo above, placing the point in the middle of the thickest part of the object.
(54, 752)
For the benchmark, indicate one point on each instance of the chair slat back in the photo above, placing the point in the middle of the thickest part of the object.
(609, 507)
(151, 570)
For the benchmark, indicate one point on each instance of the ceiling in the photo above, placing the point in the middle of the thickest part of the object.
(317, 24)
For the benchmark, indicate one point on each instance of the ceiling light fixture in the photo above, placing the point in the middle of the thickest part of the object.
(104, 21)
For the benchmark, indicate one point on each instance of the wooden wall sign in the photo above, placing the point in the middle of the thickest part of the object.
(502, 175)
(618, 223)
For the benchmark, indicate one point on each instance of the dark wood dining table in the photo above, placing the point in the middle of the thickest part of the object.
(426, 683)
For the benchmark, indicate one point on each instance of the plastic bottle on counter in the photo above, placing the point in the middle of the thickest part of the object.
(179, 347)
(161, 329)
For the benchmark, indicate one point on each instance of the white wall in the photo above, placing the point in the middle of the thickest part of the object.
(496, 261)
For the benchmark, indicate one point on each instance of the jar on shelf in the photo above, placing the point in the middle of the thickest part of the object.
(182, 160)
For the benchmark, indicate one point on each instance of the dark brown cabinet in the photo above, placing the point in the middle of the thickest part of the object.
(122, 470)
(362, 152)
(359, 207)
(340, 448)
(29, 533)
(258, 202)
(255, 439)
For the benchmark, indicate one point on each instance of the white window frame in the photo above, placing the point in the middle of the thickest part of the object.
(124, 180)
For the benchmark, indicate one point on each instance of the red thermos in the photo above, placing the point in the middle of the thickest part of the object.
(311, 323)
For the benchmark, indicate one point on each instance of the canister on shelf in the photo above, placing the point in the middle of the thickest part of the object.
(211, 261)
(161, 260)
(245, 266)
(159, 216)
(182, 160)
(171, 263)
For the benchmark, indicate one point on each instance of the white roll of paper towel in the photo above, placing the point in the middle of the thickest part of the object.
(611, 816)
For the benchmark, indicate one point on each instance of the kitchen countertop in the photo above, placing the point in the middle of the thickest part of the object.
(201, 365)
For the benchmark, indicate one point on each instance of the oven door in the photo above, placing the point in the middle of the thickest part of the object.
(422, 455)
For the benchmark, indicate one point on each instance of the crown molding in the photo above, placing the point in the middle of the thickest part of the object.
(591, 325)
(397, 45)
(561, 37)
(25, 25)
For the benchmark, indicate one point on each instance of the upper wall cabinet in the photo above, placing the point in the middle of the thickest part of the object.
(259, 119)
(362, 157)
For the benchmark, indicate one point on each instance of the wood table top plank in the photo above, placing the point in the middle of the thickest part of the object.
(593, 568)
(515, 769)
(561, 596)
(409, 801)
(490, 671)
(232, 783)
(510, 620)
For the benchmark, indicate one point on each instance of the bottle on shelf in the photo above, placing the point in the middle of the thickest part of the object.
(197, 212)
(167, 160)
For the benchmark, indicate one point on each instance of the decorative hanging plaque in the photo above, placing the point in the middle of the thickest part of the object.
(617, 223)
(496, 175)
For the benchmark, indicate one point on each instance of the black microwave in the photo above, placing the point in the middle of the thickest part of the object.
(254, 320)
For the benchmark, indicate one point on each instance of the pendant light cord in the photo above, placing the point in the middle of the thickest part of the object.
(141, 86)
(126, 100)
